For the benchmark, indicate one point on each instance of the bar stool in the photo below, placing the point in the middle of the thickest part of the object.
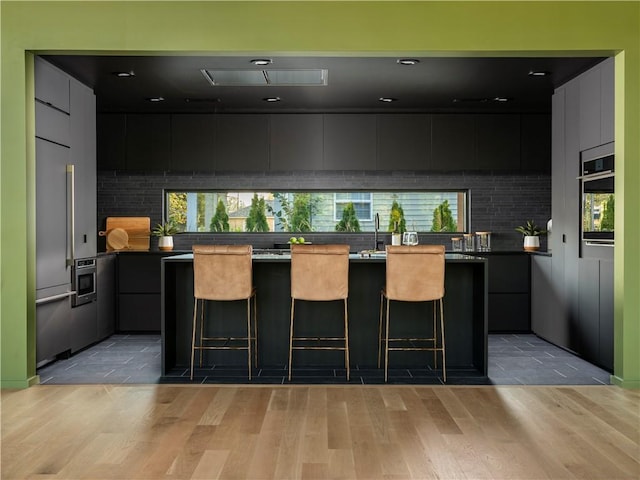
(223, 273)
(413, 274)
(319, 273)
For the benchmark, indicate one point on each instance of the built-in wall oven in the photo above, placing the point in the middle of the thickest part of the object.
(84, 281)
(598, 198)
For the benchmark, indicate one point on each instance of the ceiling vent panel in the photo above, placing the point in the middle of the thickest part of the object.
(253, 78)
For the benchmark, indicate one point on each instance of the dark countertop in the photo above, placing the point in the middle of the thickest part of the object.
(353, 257)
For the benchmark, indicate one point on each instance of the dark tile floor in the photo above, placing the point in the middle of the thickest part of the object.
(513, 360)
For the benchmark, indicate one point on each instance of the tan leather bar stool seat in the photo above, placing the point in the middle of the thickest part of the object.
(223, 273)
(319, 273)
(413, 274)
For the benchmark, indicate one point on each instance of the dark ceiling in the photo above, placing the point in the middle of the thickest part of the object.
(355, 84)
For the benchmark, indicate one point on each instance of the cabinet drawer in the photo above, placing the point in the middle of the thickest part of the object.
(52, 124)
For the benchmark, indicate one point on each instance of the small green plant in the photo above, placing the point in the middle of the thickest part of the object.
(165, 229)
(530, 229)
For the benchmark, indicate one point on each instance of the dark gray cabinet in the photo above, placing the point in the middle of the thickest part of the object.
(111, 140)
(192, 142)
(83, 158)
(535, 143)
(139, 287)
(295, 142)
(52, 124)
(148, 142)
(51, 85)
(106, 295)
(53, 322)
(242, 142)
(349, 142)
(453, 142)
(52, 206)
(509, 292)
(83, 330)
(580, 285)
(404, 142)
(597, 105)
(497, 142)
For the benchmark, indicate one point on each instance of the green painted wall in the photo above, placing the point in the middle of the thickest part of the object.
(307, 27)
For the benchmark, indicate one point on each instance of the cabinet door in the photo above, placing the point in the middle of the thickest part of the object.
(590, 108)
(52, 209)
(295, 142)
(51, 85)
(106, 295)
(84, 326)
(453, 138)
(607, 94)
(52, 124)
(139, 313)
(192, 142)
(542, 296)
(404, 142)
(83, 157)
(148, 142)
(111, 135)
(606, 315)
(53, 324)
(349, 142)
(589, 309)
(535, 143)
(509, 273)
(139, 273)
(497, 142)
(242, 142)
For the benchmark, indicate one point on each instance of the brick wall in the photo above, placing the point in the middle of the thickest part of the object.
(499, 202)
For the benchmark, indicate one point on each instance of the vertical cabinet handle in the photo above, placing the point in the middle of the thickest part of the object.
(72, 213)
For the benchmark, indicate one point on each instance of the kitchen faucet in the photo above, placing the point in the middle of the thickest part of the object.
(376, 226)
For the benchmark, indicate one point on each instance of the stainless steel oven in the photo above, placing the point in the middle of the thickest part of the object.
(598, 199)
(84, 281)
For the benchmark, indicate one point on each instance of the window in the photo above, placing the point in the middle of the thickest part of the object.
(360, 200)
(316, 211)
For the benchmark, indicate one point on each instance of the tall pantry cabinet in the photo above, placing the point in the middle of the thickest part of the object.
(572, 290)
(65, 114)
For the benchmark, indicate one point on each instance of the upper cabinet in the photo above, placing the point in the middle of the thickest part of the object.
(51, 85)
(242, 142)
(192, 142)
(497, 142)
(404, 142)
(148, 142)
(453, 142)
(535, 143)
(112, 133)
(597, 105)
(349, 141)
(332, 141)
(295, 142)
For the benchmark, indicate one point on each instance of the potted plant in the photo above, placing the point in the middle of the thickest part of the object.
(531, 234)
(164, 232)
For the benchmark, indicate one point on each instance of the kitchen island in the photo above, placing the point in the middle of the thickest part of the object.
(465, 307)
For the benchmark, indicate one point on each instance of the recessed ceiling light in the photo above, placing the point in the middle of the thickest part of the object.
(538, 73)
(271, 99)
(408, 61)
(387, 99)
(125, 74)
(155, 99)
(501, 99)
(261, 61)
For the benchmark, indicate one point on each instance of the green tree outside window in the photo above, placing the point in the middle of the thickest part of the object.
(443, 219)
(220, 220)
(397, 223)
(349, 221)
(257, 218)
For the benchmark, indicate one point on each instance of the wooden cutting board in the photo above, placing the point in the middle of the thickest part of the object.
(138, 230)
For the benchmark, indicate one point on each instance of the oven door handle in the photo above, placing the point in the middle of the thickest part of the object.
(596, 176)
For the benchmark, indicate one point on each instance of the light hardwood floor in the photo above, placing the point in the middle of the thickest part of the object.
(348, 432)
